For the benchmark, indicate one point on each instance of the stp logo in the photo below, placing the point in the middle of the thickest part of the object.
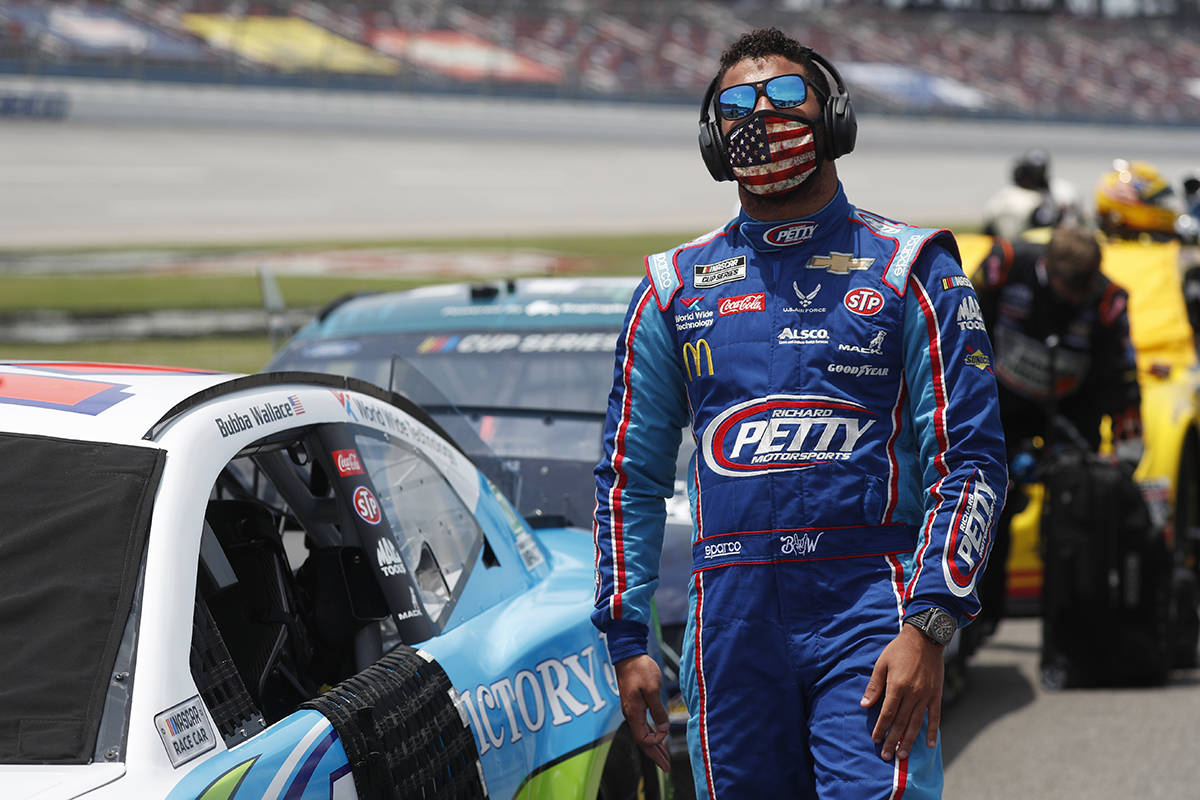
(366, 506)
(863, 301)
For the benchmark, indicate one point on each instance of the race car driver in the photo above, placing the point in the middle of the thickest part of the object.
(850, 459)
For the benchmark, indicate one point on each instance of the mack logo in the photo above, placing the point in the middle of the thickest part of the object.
(707, 275)
(803, 336)
(969, 540)
(795, 544)
(839, 263)
(691, 355)
(722, 549)
(556, 690)
(872, 348)
(388, 558)
(783, 432)
(791, 233)
(969, 317)
(864, 301)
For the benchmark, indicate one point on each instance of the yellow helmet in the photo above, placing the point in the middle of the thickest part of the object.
(1135, 196)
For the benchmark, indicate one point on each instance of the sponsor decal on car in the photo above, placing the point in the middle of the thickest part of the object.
(864, 301)
(705, 276)
(742, 303)
(347, 462)
(553, 342)
(780, 433)
(556, 691)
(186, 731)
(790, 234)
(388, 557)
(367, 506)
(62, 394)
(839, 263)
(692, 354)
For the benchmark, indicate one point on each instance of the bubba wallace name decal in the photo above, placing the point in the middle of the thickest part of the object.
(237, 421)
(780, 433)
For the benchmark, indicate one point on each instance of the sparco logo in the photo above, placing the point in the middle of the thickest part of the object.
(744, 302)
(795, 544)
(863, 301)
(722, 549)
(783, 432)
(347, 462)
(969, 317)
(792, 233)
(388, 558)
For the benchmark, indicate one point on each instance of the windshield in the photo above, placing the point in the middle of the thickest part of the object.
(74, 517)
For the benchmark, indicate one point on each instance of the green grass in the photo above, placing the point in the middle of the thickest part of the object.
(232, 354)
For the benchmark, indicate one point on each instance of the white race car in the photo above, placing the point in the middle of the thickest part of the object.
(284, 585)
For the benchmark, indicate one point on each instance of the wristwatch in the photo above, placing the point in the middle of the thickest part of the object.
(938, 625)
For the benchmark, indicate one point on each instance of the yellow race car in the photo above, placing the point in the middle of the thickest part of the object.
(1169, 377)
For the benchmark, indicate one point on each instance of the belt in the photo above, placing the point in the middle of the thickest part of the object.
(801, 544)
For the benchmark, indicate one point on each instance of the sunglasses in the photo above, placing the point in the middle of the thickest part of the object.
(784, 91)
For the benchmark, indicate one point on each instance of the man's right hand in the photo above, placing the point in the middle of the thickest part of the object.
(640, 682)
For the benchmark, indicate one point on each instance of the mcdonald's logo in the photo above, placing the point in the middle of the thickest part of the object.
(691, 353)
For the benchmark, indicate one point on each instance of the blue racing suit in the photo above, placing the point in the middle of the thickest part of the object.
(837, 379)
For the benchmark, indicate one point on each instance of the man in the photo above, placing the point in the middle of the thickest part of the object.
(1032, 200)
(1054, 319)
(849, 460)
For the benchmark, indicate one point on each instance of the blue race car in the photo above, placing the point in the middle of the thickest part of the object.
(285, 585)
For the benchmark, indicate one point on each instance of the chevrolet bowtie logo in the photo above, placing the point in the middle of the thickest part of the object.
(839, 263)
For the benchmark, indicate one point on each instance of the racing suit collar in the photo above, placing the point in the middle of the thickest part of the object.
(778, 235)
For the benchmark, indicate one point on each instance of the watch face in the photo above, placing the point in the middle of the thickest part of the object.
(942, 627)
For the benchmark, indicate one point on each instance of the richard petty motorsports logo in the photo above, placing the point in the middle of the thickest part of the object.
(783, 432)
(969, 536)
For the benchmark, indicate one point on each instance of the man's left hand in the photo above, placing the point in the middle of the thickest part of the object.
(908, 676)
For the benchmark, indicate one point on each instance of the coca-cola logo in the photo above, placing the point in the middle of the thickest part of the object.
(743, 302)
(347, 462)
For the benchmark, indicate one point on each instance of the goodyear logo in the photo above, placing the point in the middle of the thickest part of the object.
(839, 263)
(698, 355)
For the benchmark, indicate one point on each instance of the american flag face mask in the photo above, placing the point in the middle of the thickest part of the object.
(770, 153)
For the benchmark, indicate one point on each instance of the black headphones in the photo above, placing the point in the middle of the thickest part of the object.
(841, 127)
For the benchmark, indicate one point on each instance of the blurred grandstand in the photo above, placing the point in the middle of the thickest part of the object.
(1062, 60)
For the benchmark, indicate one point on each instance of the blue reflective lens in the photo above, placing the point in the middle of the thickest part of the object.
(784, 91)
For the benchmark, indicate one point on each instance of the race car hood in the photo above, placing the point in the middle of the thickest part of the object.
(57, 782)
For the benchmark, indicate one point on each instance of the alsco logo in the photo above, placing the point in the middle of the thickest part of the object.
(863, 301)
(692, 355)
(791, 233)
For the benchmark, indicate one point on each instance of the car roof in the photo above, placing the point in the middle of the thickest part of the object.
(554, 303)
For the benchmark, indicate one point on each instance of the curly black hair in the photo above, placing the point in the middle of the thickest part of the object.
(763, 42)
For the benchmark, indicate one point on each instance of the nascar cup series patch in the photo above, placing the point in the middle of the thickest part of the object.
(708, 275)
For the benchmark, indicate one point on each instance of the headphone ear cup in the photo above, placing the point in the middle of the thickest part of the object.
(712, 150)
